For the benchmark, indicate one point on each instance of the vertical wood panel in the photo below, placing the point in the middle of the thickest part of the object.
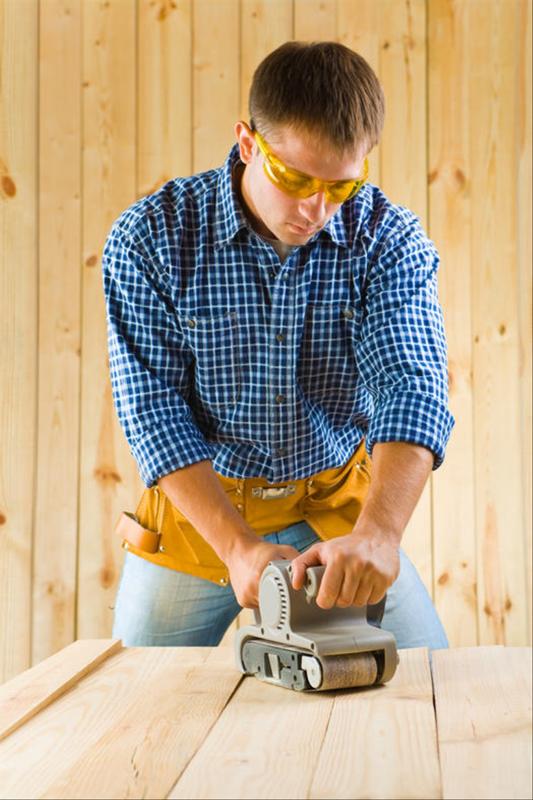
(164, 93)
(265, 25)
(497, 439)
(216, 80)
(402, 72)
(450, 179)
(18, 325)
(315, 20)
(108, 475)
(161, 87)
(358, 27)
(56, 518)
(525, 292)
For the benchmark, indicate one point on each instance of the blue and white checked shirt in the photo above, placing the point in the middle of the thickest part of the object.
(219, 351)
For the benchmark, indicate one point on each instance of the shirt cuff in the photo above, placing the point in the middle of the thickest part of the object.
(412, 417)
(168, 447)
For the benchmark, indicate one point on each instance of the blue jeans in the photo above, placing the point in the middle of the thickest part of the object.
(156, 606)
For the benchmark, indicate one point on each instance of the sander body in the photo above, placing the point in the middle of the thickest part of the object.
(298, 645)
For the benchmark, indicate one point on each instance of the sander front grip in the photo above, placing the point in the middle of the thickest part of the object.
(313, 579)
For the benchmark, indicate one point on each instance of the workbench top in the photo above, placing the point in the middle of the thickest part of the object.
(96, 720)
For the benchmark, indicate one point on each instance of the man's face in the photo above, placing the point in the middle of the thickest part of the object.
(275, 214)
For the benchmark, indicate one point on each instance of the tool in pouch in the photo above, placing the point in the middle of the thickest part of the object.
(130, 530)
(298, 645)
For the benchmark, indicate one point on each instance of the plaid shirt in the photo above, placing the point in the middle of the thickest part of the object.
(219, 351)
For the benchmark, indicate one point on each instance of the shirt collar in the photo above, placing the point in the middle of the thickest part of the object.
(230, 218)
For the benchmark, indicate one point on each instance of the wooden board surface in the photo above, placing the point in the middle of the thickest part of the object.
(483, 704)
(184, 723)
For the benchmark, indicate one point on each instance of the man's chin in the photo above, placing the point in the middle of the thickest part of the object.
(293, 235)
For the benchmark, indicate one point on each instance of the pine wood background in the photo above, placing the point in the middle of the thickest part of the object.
(100, 103)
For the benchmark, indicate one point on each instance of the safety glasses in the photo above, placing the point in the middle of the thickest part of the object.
(298, 184)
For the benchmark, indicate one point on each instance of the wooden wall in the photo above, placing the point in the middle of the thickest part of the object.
(100, 103)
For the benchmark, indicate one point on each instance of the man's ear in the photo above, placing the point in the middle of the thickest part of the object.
(246, 141)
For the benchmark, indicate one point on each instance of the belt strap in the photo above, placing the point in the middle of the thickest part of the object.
(129, 528)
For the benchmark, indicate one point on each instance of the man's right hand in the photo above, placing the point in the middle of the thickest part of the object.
(246, 561)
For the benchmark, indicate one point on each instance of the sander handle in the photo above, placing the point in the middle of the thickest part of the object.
(313, 577)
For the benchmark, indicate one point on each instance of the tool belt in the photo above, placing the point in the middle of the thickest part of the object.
(329, 501)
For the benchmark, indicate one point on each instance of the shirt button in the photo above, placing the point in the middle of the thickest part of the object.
(281, 451)
(272, 274)
(280, 398)
(240, 506)
(280, 337)
(348, 313)
(191, 323)
(285, 276)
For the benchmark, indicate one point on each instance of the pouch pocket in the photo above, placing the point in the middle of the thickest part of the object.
(214, 341)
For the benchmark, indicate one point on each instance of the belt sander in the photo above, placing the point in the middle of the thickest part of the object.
(296, 644)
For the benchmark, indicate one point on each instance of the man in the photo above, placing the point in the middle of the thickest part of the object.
(272, 325)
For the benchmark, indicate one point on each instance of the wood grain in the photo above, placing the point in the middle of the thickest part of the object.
(18, 326)
(273, 742)
(32, 690)
(502, 612)
(449, 190)
(128, 730)
(483, 706)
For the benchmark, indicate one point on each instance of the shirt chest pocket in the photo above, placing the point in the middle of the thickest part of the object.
(213, 340)
(327, 370)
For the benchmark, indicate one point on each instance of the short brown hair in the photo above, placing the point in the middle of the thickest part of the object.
(322, 88)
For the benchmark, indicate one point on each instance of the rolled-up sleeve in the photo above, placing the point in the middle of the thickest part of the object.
(402, 349)
(149, 362)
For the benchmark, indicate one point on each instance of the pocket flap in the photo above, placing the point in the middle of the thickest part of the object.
(129, 528)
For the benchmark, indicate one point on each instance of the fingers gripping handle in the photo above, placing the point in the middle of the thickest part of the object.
(313, 578)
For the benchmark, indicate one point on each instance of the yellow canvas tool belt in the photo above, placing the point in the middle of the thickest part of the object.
(329, 501)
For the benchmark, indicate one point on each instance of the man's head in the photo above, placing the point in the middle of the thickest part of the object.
(318, 109)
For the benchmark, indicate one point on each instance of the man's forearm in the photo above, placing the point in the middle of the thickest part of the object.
(399, 473)
(196, 491)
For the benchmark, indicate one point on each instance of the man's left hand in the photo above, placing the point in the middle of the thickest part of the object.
(360, 567)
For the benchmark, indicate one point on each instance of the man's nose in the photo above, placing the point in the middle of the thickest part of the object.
(313, 208)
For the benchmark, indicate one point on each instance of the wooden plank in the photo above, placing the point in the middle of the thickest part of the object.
(392, 730)
(359, 27)
(525, 293)
(315, 20)
(27, 694)
(215, 81)
(402, 72)
(56, 518)
(164, 98)
(265, 25)
(108, 481)
(454, 523)
(483, 706)
(18, 326)
(499, 485)
(273, 742)
(127, 730)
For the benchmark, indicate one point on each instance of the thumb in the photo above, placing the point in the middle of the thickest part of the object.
(310, 558)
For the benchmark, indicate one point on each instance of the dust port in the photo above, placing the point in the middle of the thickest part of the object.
(313, 646)
(262, 631)
(287, 636)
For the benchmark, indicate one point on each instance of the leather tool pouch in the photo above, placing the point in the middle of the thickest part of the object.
(129, 529)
